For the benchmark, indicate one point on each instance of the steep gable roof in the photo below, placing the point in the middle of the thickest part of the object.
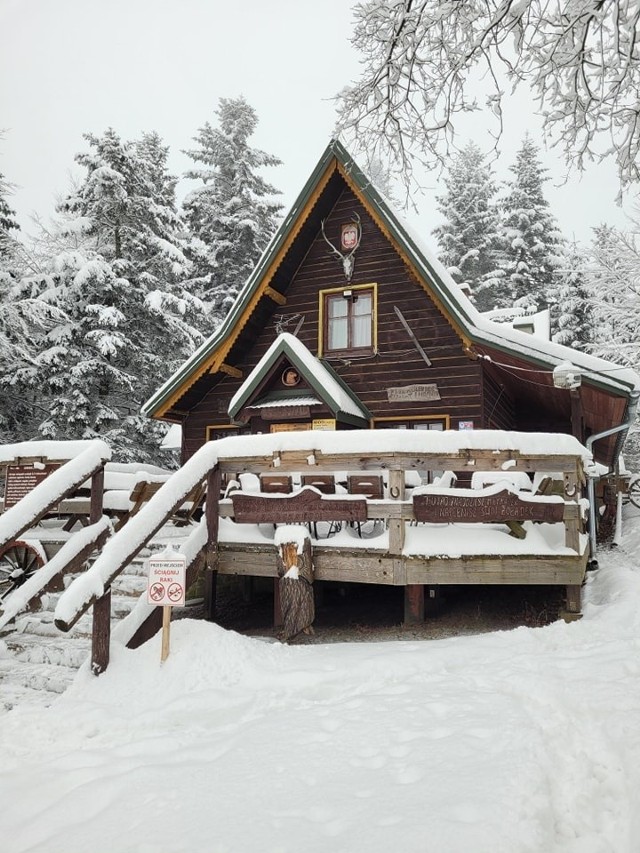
(479, 336)
(318, 375)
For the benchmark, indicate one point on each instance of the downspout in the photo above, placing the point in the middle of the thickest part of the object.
(591, 491)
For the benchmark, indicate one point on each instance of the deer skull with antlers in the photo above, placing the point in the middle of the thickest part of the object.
(347, 258)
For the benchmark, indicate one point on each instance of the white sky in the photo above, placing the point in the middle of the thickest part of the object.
(74, 66)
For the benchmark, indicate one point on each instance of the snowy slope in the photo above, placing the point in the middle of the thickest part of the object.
(512, 742)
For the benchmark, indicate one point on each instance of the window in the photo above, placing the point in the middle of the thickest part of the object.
(430, 422)
(215, 431)
(348, 320)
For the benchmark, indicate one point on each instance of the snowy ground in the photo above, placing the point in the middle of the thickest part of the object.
(514, 741)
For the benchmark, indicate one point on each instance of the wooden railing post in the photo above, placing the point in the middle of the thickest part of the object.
(101, 634)
(101, 629)
(396, 525)
(212, 509)
(572, 526)
(97, 495)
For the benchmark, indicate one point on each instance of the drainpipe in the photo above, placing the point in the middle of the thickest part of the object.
(591, 491)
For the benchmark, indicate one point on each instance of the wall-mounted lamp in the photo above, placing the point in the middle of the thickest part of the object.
(567, 375)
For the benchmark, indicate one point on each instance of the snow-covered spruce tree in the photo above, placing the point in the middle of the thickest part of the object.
(8, 331)
(8, 223)
(613, 279)
(469, 237)
(231, 214)
(531, 243)
(129, 320)
(572, 320)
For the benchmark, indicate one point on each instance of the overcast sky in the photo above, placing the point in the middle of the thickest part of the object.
(73, 66)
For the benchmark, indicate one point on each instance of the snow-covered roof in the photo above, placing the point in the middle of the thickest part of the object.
(318, 375)
(471, 325)
(538, 324)
(173, 438)
(286, 401)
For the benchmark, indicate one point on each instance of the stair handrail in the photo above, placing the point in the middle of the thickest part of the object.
(61, 483)
(145, 619)
(128, 542)
(73, 554)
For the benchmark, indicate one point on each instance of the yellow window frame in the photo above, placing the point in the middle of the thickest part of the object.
(332, 291)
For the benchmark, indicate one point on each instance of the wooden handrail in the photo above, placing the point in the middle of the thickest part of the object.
(107, 567)
(38, 502)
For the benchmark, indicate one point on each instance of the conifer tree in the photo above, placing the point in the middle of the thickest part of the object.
(231, 214)
(572, 321)
(8, 222)
(613, 279)
(129, 320)
(531, 241)
(468, 239)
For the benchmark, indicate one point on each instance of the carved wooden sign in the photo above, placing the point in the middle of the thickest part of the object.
(21, 479)
(305, 505)
(274, 413)
(500, 507)
(413, 393)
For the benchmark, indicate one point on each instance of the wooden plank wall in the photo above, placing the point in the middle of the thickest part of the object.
(397, 363)
(498, 405)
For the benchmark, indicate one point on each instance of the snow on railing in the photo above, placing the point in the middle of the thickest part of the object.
(75, 550)
(133, 621)
(133, 537)
(23, 515)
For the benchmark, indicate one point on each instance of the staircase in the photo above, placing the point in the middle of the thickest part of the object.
(38, 662)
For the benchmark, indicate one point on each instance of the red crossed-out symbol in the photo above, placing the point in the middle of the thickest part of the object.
(157, 591)
(174, 592)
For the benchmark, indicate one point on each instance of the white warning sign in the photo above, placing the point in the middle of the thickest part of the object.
(167, 579)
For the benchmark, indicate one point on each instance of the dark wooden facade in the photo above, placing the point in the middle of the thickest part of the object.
(484, 381)
(397, 363)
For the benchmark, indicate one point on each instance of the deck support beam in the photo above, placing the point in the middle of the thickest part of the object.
(212, 515)
(573, 603)
(413, 604)
(278, 619)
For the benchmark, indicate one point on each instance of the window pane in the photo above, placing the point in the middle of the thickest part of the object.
(337, 330)
(438, 425)
(361, 331)
(338, 307)
(362, 305)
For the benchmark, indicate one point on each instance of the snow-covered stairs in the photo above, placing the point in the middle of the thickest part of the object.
(38, 662)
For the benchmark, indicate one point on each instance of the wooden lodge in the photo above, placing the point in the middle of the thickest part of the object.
(349, 323)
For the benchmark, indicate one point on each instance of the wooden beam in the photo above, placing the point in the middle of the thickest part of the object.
(214, 481)
(101, 633)
(278, 298)
(413, 604)
(230, 370)
(363, 566)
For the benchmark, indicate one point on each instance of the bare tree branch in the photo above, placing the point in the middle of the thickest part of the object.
(579, 58)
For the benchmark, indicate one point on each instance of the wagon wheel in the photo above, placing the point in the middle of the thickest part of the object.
(18, 561)
(633, 493)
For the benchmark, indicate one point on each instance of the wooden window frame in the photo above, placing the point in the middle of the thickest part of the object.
(323, 296)
(218, 428)
(379, 423)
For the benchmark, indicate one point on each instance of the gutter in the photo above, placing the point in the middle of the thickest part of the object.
(631, 412)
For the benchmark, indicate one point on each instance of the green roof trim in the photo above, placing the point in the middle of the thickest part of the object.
(452, 299)
(321, 378)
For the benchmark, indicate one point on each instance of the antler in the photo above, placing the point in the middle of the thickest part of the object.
(348, 261)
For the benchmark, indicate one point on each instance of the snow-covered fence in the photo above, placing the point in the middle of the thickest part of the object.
(73, 554)
(81, 461)
(387, 451)
(93, 587)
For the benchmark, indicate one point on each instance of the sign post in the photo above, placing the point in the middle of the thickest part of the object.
(166, 588)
